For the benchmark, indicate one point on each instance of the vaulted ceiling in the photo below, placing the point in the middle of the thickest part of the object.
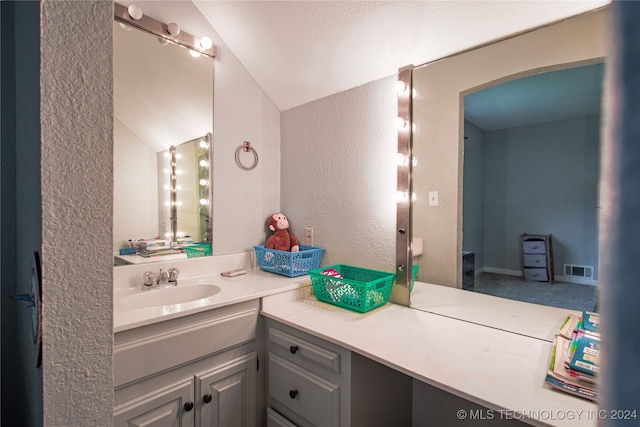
(301, 51)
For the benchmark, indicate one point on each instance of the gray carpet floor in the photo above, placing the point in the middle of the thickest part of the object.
(559, 294)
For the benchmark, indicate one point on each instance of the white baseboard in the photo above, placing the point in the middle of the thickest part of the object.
(577, 280)
(568, 279)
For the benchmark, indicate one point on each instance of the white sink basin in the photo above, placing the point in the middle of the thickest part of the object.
(170, 296)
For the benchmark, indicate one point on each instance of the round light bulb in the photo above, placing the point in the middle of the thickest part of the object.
(401, 159)
(203, 182)
(203, 163)
(400, 122)
(173, 29)
(134, 11)
(400, 86)
(204, 202)
(206, 43)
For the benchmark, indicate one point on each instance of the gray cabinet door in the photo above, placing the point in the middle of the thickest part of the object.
(170, 406)
(226, 394)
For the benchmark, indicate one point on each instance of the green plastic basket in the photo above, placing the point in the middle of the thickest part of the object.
(198, 250)
(414, 276)
(358, 289)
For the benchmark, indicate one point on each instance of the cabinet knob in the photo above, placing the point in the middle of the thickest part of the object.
(188, 406)
(293, 393)
(293, 349)
(207, 398)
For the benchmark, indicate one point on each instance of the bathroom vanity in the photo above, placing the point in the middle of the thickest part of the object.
(264, 351)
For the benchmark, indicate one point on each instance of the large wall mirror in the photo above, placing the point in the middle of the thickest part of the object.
(508, 135)
(163, 97)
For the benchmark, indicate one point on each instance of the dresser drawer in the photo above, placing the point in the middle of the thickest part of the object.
(534, 260)
(536, 274)
(307, 395)
(534, 247)
(302, 351)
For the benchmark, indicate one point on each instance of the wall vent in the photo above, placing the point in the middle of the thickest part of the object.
(572, 270)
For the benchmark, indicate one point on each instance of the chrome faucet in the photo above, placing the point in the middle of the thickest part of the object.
(164, 278)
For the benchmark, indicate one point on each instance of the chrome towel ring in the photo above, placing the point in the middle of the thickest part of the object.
(246, 147)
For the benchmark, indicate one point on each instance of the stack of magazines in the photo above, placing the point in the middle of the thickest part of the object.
(575, 357)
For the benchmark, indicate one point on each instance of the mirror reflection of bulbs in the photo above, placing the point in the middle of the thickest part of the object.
(203, 182)
(166, 170)
(179, 172)
(203, 143)
(203, 163)
(204, 202)
(180, 234)
(167, 203)
(194, 53)
(167, 234)
(178, 187)
(178, 156)
(414, 161)
(163, 41)
(166, 155)
(178, 203)
(166, 186)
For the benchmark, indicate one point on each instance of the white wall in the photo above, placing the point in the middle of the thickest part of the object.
(339, 174)
(135, 178)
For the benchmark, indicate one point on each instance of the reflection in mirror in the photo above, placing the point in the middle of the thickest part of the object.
(548, 173)
(184, 191)
(163, 96)
(531, 165)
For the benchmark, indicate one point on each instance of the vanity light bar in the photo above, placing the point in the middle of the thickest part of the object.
(401, 292)
(160, 29)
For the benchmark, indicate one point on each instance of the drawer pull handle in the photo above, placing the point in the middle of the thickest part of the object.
(293, 349)
(207, 398)
(293, 393)
(188, 406)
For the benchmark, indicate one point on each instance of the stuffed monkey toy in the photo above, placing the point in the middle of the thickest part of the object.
(282, 239)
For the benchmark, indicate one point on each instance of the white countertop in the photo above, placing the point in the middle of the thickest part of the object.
(255, 284)
(494, 368)
(523, 318)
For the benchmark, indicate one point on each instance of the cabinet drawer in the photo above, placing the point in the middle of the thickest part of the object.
(301, 391)
(534, 247)
(536, 274)
(301, 351)
(534, 260)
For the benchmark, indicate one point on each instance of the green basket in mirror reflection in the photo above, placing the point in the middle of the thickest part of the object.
(198, 250)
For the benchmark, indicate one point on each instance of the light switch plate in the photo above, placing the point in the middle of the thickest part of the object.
(433, 198)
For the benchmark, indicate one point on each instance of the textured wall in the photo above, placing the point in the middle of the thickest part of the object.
(77, 184)
(339, 174)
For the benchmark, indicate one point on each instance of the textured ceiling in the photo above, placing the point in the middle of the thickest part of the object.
(300, 51)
